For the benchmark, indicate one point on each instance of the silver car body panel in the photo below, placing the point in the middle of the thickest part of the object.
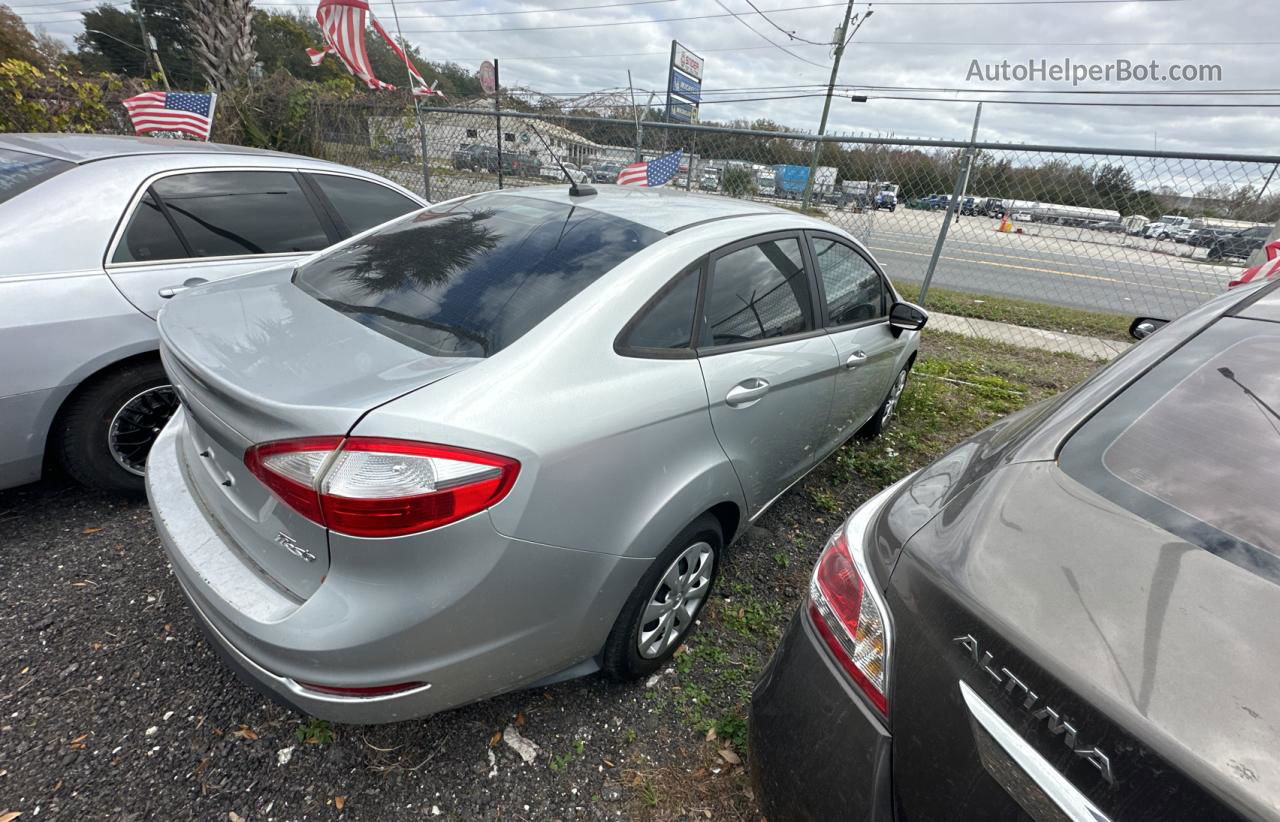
(72, 321)
(617, 455)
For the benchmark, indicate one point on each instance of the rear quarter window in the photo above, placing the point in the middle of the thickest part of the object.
(1193, 445)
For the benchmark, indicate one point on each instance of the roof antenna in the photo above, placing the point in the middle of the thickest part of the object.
(575, 189)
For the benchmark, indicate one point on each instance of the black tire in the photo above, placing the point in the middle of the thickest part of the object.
(83, 447)
(622, 659)
(879, 421)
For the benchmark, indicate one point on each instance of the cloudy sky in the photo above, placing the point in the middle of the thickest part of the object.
(906, 43)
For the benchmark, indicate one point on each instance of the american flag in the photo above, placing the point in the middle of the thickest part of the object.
(342, 23)
(184, 111)
(651, 174)
(1264, 271)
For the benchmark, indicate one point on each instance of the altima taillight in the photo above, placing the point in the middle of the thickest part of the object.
(368, 487)
(847, 617)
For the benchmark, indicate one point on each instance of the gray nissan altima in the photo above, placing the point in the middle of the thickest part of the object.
(505, 440)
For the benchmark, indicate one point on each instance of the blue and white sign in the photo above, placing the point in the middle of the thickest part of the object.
(683, 112)
(686, 87)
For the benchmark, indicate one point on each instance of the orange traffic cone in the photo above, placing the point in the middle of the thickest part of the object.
(1005, 225)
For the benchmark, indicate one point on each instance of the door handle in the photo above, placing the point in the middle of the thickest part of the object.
(746, 392)
(856, 359)
(168, 292)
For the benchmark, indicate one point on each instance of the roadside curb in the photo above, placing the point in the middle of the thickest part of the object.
(1092, 348)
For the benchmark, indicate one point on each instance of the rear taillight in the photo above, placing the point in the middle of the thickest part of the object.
(369, 487)
(846, 615)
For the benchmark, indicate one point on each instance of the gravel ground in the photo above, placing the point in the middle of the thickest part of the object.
(114, 707)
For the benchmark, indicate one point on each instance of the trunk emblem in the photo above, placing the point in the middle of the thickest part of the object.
(1030, 702)
(294, 548)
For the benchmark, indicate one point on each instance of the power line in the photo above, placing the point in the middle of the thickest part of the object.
(782, 49)
(536, 11)
(790, 34)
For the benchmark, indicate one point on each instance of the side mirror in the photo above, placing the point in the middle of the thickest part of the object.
(907, 317)
(1143, 327)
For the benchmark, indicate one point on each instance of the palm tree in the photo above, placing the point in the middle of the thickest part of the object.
(222, 35)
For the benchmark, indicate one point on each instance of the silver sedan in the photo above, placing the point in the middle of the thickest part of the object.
(96, 232)
(506, 440)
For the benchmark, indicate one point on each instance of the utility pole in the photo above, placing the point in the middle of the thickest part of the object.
(149, 50)
(841, 39)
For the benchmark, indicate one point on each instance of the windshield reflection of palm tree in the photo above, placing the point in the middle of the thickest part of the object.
(419, 256)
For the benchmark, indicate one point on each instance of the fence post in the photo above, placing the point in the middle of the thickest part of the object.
(497, 115)
(426, 163)
(962, 180)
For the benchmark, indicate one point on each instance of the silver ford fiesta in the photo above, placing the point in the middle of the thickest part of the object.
(504, 441)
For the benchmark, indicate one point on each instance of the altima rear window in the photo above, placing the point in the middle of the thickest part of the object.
(1194, 445)
(471, 278)
(20, 171)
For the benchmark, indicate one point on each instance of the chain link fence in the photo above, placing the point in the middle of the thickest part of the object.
(1066, 245)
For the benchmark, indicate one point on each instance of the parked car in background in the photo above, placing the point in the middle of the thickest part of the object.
(1240, 244)
(96, 233)
(1205, 237)
(886, 201)
(969, 206)
(519, 164)
(1066, 617)
(608, 172)
(1182, 234)
(476, 157)
(1155, 231)
(346, 454)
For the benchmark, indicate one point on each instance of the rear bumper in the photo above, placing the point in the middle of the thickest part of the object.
(468, 612)
(817, 751)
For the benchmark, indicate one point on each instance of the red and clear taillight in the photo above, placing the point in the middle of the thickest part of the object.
(368, 487)
(846, 615)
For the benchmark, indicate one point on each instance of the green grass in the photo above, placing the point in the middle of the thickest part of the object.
(1022, 312)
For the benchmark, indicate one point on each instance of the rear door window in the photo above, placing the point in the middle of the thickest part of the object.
(20, 171)
(1193, 445)
(234, 213)
(470, 278)
(362, 204)
(757, 293)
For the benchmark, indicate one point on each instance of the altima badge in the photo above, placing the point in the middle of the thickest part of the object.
(294, 548)
(1030, 702)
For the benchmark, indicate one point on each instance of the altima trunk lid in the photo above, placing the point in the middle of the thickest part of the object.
(257, 360)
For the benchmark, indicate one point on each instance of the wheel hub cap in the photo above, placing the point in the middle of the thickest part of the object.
(136, 425)
(671, 608)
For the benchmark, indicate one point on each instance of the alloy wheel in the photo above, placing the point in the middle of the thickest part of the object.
(674, 603)
(136, 425)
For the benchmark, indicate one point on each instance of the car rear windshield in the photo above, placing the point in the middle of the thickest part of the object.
(1193, 445)
(470, 278)
(20, 171)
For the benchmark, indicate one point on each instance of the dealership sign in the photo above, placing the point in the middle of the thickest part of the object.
(684, 85)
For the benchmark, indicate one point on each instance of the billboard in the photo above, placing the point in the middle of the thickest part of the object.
(684, 85)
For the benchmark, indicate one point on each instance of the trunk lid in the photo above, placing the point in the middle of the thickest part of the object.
(1132, 665)
(256, 360)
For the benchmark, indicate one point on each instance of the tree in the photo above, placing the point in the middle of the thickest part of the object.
(221, 40)
(16, 41)
(738, 182)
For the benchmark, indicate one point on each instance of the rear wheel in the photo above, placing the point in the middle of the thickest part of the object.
(109, 426)
(880, 421)
(662, 611)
